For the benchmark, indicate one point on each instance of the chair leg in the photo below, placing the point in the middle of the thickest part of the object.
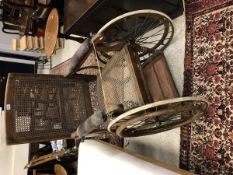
(78, 39)
(7, 27)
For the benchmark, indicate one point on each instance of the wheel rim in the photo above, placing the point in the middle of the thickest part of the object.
(148, 31)
(158, 117)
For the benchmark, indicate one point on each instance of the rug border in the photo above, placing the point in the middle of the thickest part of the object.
(193, 9)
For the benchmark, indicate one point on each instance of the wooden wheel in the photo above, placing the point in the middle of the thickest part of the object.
(148, 31)
(158, 116)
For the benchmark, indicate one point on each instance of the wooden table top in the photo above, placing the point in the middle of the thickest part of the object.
(51, 32)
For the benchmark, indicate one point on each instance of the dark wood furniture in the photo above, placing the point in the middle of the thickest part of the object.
(7, 67)
(16, 17)
(83, 17)
(25, 17)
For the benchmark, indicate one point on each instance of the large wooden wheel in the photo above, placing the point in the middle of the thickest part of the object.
(147, 31)
(158, 116)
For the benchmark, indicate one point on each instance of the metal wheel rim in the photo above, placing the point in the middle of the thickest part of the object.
(151, 14)
(124, 131)
(116, 124)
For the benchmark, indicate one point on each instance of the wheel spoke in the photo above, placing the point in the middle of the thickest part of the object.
(161, 118)
(145, 38)
(150, 27)
(156, 34)
(147, 28)
(137, 32)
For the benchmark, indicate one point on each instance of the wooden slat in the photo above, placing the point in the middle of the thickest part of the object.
(35, 41)
(29, 43)
(14, 44)
(23, 43)
(41, 43)
(159, 79)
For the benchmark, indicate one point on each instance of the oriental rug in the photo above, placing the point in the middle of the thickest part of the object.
(207, 143)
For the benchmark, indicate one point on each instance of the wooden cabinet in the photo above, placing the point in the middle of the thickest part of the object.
(83, 17)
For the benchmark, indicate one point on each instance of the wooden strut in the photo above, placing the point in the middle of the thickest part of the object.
(46, 158)
(72, 65)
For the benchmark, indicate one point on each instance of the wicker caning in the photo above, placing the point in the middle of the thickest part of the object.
(45, 107)
(120, 83)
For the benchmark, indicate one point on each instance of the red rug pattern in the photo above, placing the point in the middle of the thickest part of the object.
(207, 144)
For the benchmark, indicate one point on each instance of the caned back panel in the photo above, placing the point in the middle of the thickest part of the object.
(44, 107)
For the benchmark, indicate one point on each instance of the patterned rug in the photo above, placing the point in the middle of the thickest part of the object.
(207, 144)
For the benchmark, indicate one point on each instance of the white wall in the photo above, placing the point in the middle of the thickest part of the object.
(6, 44)
(20, 159)
(6, 39)
(12, 158)
(6, 152)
